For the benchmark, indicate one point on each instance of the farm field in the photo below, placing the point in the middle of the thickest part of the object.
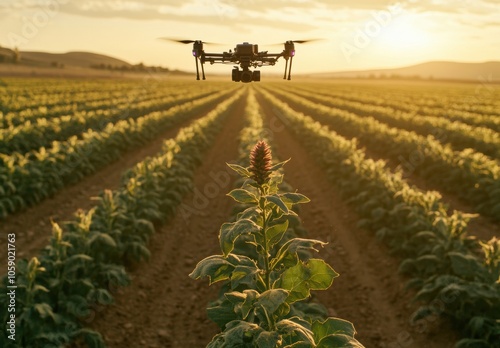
(403, 178)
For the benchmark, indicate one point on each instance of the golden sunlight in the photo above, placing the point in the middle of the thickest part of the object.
(405, 31)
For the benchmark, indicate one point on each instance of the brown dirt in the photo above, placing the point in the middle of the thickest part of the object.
(32, 226)
(163, 307)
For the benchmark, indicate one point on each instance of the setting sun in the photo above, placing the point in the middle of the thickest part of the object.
(404, 32)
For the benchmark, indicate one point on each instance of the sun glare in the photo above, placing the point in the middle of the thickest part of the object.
(404, 32)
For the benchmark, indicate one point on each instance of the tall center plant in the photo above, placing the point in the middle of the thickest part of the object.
(267, 273)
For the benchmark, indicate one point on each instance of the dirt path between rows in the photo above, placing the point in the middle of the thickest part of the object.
(163, 307)
(369, 291)
(32, 226)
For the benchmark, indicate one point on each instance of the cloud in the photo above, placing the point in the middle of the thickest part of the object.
(205, 12)
(289, 15)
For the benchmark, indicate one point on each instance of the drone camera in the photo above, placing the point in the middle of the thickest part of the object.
(245, 76)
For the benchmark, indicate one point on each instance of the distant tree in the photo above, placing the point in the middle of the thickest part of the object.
(140, 67)
(16, 55)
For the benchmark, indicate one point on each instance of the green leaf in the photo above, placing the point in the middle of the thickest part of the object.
(267, 339)
(44, 310)
(240, 170)
(229, 232)
(103, 296)
(243, 302)
(339, 341)
(237, 334)
(271, 300)
(287, 254)
(102, 238)
(75, 262)
(316, 274)
(92, 338)
(245, 275)
(275, 233)
(294, 198)
(463, 265)
(278, 166)
(222, 313)
(290, 327)
(332, 326)
(243, 196)
(248, 304)
(215, 267)
(218, 267)
(278, 202)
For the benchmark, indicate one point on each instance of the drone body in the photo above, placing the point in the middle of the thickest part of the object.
(245, 56)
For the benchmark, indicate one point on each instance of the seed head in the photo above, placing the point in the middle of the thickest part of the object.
(260, 162)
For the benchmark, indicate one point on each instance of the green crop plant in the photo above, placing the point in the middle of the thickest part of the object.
(264, 282)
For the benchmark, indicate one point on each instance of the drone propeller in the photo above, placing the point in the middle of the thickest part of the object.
(305, 41)
(296, 41)
(185, 42)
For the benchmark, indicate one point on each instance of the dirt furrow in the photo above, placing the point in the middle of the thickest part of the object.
(369, 291)
(163, 307)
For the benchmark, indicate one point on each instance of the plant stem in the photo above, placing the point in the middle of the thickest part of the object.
(266, 251)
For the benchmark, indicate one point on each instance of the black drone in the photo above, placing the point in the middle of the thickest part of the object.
(245, 55)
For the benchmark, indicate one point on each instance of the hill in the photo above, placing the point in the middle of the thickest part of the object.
(74, 59)
(69, 59)
(442, 70)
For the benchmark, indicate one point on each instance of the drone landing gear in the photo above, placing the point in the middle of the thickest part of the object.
(197, 70)
(289, 69)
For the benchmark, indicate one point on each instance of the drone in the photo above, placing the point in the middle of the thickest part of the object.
(245, 56)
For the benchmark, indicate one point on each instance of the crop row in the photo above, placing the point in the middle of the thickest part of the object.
(34, 93)
(454, 274)
(417, 103)
(43, 132)
(29, 178)
(471, 175)
(83, 264)
(458, 134)
(81, 103)
(252, 311)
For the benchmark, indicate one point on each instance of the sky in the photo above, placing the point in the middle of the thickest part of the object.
(355, 34)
